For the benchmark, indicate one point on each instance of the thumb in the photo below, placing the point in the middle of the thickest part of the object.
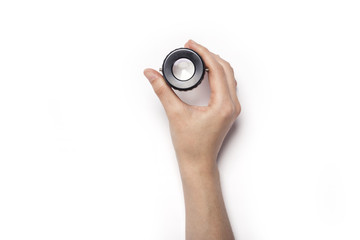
(166, 95)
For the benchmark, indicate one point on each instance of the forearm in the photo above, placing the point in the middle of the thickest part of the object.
(206, 216)
(197, 133)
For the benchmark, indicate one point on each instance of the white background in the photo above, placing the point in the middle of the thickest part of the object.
(85, 151)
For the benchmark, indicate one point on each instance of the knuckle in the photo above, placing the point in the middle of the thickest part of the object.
(228, 65)
(159, 87)
(205, 49)
(174, 113)
(237, 109)
(219, 69)
(228, 110)
(231, 69)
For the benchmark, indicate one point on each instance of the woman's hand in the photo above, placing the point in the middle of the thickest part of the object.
(198, 131)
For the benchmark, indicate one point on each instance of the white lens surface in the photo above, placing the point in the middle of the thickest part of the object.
(183, 69)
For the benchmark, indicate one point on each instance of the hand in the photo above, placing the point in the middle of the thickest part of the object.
(198, 131)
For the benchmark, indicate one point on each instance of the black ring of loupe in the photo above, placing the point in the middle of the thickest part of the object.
(190, 83)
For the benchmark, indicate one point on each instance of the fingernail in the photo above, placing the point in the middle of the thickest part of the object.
(150, 75)
(192, 42)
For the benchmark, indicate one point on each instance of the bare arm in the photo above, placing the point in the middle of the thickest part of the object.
(197, 133)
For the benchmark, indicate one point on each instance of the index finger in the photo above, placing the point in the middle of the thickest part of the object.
(217, 79)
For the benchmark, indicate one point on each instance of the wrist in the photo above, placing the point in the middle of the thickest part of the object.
(201, 167)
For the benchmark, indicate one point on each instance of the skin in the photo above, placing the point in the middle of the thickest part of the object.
(197, 134)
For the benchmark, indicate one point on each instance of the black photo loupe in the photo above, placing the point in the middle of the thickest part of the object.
(183, 69)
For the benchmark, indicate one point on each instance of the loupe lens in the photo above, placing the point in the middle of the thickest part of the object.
(183, 69)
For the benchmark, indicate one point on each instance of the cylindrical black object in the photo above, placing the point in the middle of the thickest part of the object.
(177, 82)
